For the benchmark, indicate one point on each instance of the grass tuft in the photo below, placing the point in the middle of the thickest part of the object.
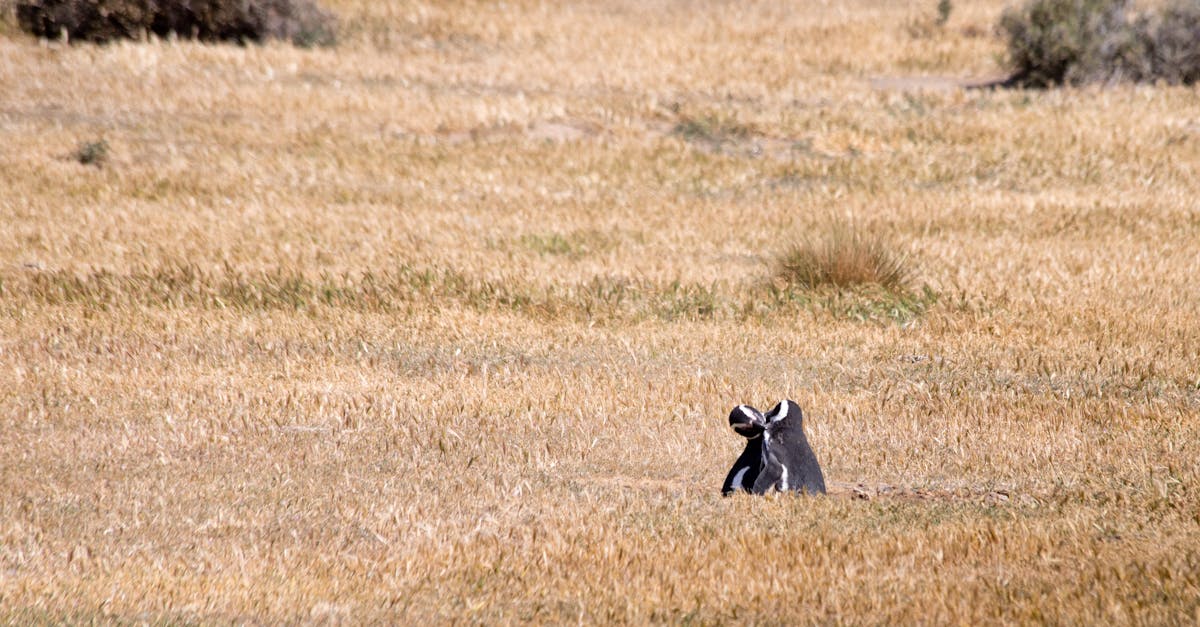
(92, 153)
(846, 258)
(852, 274)
(712, 130)
(944, 8)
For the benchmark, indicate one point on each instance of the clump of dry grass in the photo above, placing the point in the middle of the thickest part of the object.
(846, 257)
(853, 273)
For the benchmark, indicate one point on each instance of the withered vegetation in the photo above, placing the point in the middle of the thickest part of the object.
(443, 324)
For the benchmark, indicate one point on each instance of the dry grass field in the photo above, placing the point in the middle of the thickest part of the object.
(444, 323)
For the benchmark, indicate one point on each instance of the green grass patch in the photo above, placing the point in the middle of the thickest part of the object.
(573, 245)
(602, 298)
(853, 274)
(712, 129)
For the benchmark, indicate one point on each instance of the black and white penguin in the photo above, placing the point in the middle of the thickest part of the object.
(750, 423)
(786, 461)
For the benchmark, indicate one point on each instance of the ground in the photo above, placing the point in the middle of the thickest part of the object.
(445, 322)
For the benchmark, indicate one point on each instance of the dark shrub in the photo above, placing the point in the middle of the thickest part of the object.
(1056, 42)
(1173, 37)
(944, 7)
(1072, 42)
(92, 153)
(299, 21)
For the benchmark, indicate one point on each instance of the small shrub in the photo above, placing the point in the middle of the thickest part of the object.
(944, 7)
(1072, 42)
(846, 258)
(92, 153)
(1173, 42)
(714, 130)
(1056, 42)
(300, 21)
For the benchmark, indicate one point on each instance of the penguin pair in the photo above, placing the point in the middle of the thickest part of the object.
(777, 454)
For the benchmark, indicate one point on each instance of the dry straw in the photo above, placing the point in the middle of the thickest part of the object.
(443, 324)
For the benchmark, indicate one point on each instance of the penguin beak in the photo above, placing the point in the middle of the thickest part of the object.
(747, 429)
(747, 421)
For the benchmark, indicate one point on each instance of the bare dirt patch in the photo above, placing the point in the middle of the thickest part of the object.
(935, 83)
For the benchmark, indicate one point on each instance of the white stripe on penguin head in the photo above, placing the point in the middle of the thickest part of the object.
(748, 412)
(783, 411)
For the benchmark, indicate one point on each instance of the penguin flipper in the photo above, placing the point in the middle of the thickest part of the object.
(740, 478)
(769, 477)
(745, 470)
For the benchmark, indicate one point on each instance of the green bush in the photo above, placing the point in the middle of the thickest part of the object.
(1073, 42)
(299, 21)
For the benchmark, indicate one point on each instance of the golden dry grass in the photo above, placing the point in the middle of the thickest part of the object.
(444, 323)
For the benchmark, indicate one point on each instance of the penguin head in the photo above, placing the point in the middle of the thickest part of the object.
(785, 410)
(747, 421)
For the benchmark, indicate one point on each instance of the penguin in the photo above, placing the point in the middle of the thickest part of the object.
(749, 423)
(785, 461)
(788, 462)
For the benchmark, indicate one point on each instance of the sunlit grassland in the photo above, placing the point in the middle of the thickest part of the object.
(444, 323)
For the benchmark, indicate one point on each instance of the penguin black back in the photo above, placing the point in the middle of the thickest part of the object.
(788, 462)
